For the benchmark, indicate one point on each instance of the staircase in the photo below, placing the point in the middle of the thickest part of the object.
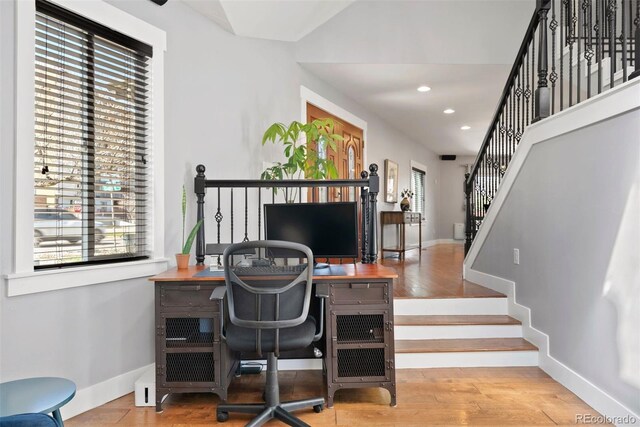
(572, 50)
(459, 332)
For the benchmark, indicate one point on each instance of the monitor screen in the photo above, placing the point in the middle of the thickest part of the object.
(329, 229)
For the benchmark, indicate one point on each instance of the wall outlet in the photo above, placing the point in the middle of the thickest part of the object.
(516, 256)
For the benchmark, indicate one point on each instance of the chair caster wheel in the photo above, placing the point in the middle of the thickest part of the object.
(222, 416)
(317, 409)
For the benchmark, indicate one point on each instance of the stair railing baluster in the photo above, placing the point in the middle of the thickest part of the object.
(636, 44)
(623, 35)
(553, 77)
(259, 213)
(561, 56)
(599, 51)
(579, 53)
(588, 49)
(611, 17)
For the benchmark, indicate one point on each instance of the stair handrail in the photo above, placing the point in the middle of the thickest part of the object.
(528, 38)
(541, 96)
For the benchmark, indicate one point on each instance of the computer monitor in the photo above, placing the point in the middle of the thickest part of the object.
(329, 229)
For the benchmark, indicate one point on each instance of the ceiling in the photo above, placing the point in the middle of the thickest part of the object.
(284, 20)
(462, 49)
(390, 91)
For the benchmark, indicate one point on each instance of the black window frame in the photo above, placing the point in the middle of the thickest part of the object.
(94, 29)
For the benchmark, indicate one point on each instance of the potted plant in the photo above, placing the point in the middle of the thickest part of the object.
(405, 203)
(301, 162)
(182, 259)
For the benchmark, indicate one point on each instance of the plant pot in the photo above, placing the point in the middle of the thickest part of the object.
(405, 205)
(183, 261)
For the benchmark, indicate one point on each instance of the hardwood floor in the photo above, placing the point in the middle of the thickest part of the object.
(438, 396)
(448, 396)
(435, 272)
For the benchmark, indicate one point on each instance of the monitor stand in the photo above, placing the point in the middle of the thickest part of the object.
(320, 265)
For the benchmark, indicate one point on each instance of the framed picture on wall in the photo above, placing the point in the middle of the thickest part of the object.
(390, 181)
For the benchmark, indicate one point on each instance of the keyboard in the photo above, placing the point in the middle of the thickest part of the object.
(271, 270)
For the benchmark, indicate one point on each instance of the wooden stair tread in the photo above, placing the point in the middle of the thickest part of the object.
(464, 345)
(447, 320)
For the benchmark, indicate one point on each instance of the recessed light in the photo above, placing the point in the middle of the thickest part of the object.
(449, 111)
(465, 127)
(424, 89)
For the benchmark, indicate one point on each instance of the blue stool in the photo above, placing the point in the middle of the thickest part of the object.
(45, 395)
(28, 420)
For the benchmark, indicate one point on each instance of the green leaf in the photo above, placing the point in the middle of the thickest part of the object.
(331, 169)
(187, 246)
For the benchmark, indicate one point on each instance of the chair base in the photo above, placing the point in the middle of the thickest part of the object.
(265, 412)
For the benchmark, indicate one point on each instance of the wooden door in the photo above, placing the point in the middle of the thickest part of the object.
(348, 157)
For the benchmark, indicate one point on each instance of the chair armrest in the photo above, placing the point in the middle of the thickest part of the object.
(218, 294)
(318, 335)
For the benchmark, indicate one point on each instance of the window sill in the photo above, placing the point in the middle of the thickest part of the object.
(52, 280)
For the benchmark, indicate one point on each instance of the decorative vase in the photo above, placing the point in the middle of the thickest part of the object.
(183, 261)
(405, 205)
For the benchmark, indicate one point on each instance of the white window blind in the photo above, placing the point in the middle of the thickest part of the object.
(91, 158)
(417, 186)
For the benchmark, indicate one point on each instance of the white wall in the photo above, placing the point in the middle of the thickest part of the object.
(564, 212)
(420, 32)
(451, 195)
(221, 92)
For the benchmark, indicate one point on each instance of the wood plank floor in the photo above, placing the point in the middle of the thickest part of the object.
(435, 272)
(451, 396)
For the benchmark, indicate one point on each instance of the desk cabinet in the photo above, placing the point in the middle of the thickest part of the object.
(190, 355)
(359, 337)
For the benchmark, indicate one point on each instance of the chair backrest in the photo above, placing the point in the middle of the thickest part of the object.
(270, 300)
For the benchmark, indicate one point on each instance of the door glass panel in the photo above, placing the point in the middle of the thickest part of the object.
(322, 154)
(352, 171)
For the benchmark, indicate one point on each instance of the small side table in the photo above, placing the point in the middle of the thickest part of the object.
(400, 219)
(42, 395)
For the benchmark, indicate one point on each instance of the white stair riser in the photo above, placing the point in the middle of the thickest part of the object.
(449, 306)
(466, 359)
(457, 331)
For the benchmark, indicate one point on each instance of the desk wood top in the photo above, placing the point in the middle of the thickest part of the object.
(356, 271)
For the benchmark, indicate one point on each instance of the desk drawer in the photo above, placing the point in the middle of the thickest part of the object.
(411, 217)
(188, 296)
(359, 293)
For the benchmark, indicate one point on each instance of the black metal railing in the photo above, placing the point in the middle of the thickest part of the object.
(246, 199)
(572, 50)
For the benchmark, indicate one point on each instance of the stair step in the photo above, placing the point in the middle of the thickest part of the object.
(450, 306)
(449, 353)
(464, 345)
(459, 320)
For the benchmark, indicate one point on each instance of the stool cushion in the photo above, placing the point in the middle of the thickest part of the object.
(296, 337)
(28, 420)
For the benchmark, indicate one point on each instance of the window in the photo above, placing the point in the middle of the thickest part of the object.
(90, 143)
(417, 186)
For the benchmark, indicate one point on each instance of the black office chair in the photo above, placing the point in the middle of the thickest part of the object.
(268, 305)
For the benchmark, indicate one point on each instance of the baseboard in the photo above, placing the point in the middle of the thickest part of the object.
(597, 398)
(101, 393)
(427, 243)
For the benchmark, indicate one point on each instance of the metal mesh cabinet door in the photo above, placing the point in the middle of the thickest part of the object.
(190, 354)
(360, 346)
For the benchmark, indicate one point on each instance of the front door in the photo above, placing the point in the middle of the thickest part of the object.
(348, 157)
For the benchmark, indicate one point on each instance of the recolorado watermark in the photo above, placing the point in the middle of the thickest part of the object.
(603, 419)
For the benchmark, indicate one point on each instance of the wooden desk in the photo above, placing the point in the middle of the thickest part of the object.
(400, 219)
(358, 324)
